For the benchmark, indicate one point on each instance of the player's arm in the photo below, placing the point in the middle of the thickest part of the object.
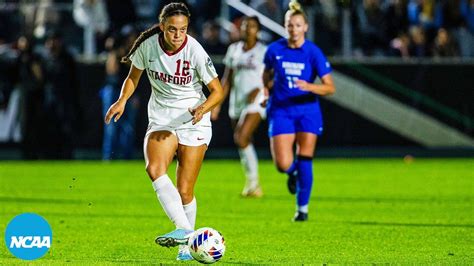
(215, 98)
(226, 82)
(267, 77)
(325, 88)
(128, 87)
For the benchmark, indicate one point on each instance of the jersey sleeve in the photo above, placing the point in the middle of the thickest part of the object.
(204, 65)
(321, 63)
(138, 57)
(269, 58)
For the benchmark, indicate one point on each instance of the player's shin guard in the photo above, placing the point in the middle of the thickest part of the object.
(170, 200)
(305, 180)
(191, 209)
(249, 161)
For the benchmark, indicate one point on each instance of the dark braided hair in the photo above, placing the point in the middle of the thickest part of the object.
(169, 10)
(254, 18)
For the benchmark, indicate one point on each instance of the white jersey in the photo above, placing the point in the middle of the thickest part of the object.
(247, 69)
(176, 80)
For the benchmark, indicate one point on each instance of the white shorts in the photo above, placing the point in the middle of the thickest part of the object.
(189, 136)
(254, 107)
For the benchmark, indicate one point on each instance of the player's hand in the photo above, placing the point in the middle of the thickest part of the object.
(215, 113)
(116, 110)
(197, 113)
(302, 85)
(266, 94)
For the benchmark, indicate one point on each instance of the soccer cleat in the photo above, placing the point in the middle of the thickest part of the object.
(300, 217)
(291, 182)
(184, 254)
(255, 192)
(174, 238)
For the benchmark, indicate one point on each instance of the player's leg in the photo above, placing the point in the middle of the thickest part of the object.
(306, 143)
(189, 163)
(193, 143)
(281, 130)
(281, 147)
(308, 126)
(243, 132)
(159, 149)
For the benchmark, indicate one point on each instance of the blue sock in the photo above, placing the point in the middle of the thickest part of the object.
(305, 180)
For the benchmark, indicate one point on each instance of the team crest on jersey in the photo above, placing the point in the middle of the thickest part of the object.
(209, 62)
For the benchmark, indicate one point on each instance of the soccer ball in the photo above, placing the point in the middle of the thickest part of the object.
(206, 245)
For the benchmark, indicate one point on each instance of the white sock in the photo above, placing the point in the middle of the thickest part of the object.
(249, 161)
(191, 209)
(171, 201)
(303, 208)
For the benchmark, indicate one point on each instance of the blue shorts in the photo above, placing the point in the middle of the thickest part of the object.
(288, 123)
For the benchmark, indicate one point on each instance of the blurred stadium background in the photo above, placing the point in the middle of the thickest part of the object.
(403, 70)
(404, 76)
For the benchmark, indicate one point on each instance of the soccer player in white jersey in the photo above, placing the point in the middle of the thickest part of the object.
(242, 75)
(178, 113)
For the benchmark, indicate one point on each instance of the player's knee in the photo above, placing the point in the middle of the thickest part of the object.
(187, 195)
(154, 171)
(282, 166)
(241, 140)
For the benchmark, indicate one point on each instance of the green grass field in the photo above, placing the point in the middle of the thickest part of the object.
(362, 211)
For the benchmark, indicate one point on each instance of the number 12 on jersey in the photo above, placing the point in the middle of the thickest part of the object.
(184, 70)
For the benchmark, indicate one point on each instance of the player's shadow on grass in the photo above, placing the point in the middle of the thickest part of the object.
(373, 199)
(390, 200)
(412, 224)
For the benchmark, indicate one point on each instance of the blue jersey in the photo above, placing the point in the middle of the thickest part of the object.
(289, 64)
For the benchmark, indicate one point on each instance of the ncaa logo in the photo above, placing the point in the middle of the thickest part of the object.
(28, 236)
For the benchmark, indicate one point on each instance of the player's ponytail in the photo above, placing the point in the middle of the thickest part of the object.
(295, 9)
(169, 10)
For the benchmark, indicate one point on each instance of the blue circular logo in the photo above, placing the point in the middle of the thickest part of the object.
(28, 236)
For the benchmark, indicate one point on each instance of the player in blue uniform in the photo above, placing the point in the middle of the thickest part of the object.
(294, 115)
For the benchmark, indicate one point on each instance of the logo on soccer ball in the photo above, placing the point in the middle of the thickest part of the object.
(28, 236)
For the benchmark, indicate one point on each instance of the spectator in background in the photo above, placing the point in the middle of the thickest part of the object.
(413, 12)
(444, 45)
(146, 11)
(397, 18)
(119, 137)
(121, 13)
(31, 84)
(372, 27)
(327, 22)
(467, 31)
(92, 16)
(270, 9)
(60, 98)
(46, 18)
(210, 38)
(418, 46)
(400, 45)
